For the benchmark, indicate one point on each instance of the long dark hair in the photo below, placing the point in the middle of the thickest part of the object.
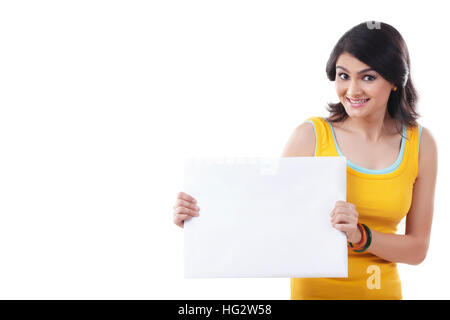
(380, 46)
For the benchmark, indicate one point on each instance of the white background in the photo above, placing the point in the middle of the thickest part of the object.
(100, 101)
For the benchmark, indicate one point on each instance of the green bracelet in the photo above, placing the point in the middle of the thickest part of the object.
(368, 241)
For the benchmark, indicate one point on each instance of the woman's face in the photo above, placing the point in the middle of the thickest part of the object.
(361, 90)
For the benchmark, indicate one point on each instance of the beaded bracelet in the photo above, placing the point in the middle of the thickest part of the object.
(361, 244)
(369, 239)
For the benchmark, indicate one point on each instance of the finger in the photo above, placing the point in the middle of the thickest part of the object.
(344, 227)
(184, 210)
(345, 212)
(342, 218)
(179, 223)
(349, 211)
(339, 218)
(187, 204)
(344, 204)
(185, 196)
(335, 211)
(181, 218)
(340, 203)
(345, 218)
(341, 211)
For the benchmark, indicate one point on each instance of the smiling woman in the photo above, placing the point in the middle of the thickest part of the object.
(374, 64)
(374, 126)
(354, 102)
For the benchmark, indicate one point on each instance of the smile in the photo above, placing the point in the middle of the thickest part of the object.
(356, 103)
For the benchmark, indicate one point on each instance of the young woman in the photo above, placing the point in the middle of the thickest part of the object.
(391, 165)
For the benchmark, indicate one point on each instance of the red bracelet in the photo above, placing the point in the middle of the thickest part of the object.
(361, 244)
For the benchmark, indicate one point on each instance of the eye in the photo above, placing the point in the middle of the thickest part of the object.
(342, 74)
(371, 78)
(367, 77)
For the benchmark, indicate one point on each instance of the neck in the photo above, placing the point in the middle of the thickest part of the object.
(372, 128)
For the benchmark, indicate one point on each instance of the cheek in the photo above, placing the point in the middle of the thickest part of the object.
(379, 92)
(341, 89)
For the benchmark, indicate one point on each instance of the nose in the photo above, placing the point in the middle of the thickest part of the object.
(353, 89)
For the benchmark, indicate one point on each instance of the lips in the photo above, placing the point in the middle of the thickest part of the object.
(356, 103)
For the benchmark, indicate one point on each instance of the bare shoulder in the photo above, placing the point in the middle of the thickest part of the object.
(302, 142)
(428, 153)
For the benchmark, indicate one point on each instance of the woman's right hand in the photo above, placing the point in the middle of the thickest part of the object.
(184, 209)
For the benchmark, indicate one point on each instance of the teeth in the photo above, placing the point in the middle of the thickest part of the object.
(358, 101)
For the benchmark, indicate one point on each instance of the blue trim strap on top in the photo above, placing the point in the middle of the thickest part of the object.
(390, 169)
(315, 148)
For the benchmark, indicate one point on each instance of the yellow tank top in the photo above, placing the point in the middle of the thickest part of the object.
(382, 199)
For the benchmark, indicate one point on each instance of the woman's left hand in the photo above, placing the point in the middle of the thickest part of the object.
(344, 217)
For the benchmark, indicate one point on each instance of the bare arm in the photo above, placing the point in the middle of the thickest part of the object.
(302, 142)
(412, 247)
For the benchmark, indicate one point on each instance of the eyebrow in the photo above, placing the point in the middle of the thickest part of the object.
(362, 71)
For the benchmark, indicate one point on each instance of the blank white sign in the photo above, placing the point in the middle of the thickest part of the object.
(265, 217)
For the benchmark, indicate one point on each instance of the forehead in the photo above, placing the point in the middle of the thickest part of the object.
(351, 63)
